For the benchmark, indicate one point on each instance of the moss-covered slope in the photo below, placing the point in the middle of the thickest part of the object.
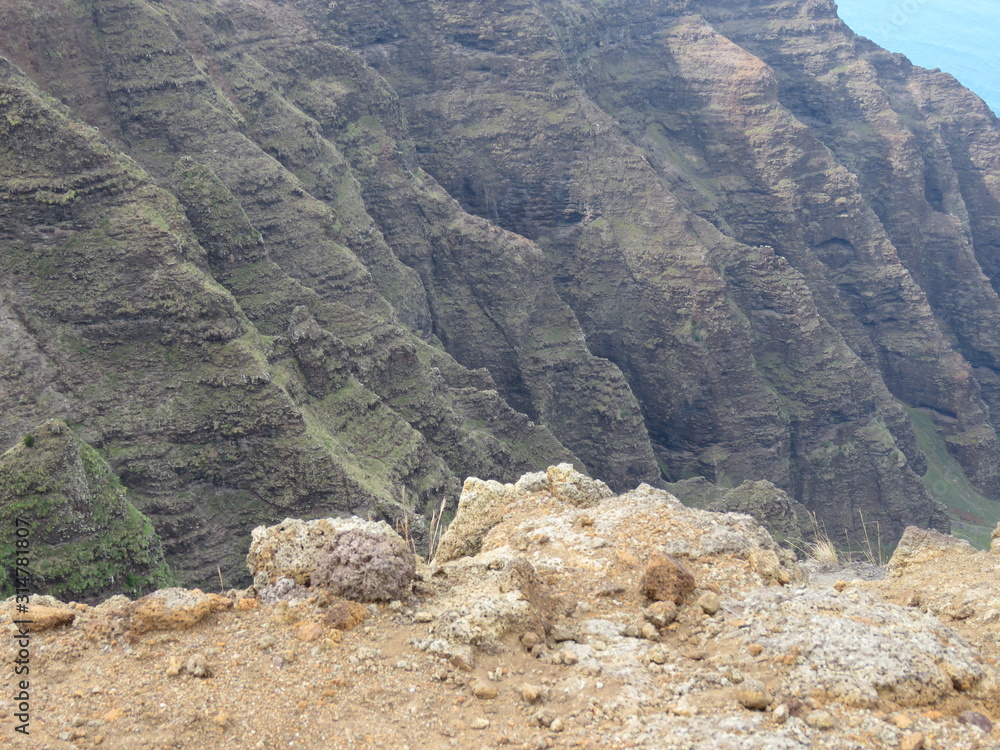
(238, 338)
(81, 538)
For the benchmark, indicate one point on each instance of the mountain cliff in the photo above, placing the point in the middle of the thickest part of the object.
(301, 258)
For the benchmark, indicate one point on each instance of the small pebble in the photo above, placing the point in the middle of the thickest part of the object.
(657, 655)
(309, 631)
(484, 690)
(531, 693)
(710, 603)
(197, 666)
(753, 695)
(820, 720)
(902, 721)
(175, 666)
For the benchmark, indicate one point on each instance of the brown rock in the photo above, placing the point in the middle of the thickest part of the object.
(912, 741)
(710, 603)
(484, 690)
(481, 506)
(666, 579)
(345, 615)
(175, 666)
(820, 720)
(45, 618)
(649, 632)
(530, 639)
(753, 695)
(919, 547)
(902, 721)
(661, 614)
(309, 631)
(531, 693)
(173, 609)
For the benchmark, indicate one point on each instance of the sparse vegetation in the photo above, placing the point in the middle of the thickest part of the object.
(823, 550)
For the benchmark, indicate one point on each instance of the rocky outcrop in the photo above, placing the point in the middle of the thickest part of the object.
(548, 635)
(483, 505)
(788, 521)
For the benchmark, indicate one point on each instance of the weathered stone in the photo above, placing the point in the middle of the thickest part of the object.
(572, 487)
(976, 719)
(658, 655)
(536, 481)
(344, 615)
(481, 506)
(353, 558)
(666, 580)
(365, 566)
(484, 690)
(531, 693)
(820, 720)
(309, 631)
(197, 666)
(173, 609)
(661, 613)
(709, 602)
(46, 618)
(753, 695)
(922, 546)
(860, 650)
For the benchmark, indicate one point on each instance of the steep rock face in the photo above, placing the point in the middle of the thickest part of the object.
(603, 131)
(116, 323)
(231, 352)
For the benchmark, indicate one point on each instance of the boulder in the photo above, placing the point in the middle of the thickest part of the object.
(173, 609)
(351, 557)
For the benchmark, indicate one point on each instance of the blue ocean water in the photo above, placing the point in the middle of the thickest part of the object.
(962, 37)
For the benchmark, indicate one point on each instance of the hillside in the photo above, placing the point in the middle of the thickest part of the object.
(299, 258)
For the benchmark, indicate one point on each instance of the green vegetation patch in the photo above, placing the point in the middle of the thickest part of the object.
(973, 516)
(85, 538)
